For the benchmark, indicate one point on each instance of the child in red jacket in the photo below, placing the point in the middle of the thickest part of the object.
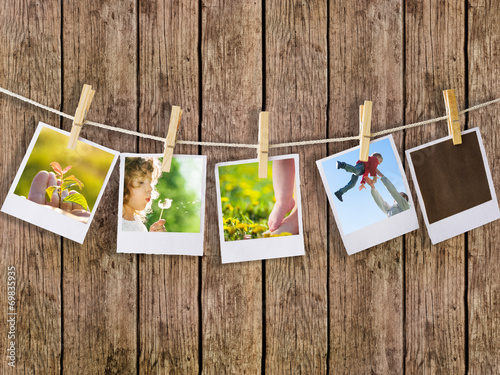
(363, 168)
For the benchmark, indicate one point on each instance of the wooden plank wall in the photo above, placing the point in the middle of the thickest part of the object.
(403, 307)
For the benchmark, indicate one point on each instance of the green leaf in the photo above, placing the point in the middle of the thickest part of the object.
(50, 191)
(76, 180)
(56, 167)
(67, 184)
(78, 199)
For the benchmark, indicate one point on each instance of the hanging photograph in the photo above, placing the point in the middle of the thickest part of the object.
(371, 201)
(259, 218)
(57, 188)
(454, 185)
(159, 212)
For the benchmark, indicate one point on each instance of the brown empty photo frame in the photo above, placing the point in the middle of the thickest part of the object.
(454, 185)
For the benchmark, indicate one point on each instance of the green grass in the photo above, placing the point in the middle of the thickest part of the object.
(246, 201)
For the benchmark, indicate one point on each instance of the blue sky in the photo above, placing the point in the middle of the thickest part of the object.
(358, 208)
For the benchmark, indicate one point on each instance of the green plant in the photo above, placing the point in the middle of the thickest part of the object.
(64, 183)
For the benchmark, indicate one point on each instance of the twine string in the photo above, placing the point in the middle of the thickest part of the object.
(240, 145)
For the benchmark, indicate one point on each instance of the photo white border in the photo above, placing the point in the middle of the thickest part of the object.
(161, 243)
(463, 221)
(382, 231)
(42, 216)
(261, 248)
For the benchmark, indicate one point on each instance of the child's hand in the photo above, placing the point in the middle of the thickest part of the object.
(370, 182)
(39, 185)
(361, 187)
(159, 226)
(375, 179)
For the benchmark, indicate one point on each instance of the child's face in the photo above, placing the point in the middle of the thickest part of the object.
(140, 193)
(380, 160)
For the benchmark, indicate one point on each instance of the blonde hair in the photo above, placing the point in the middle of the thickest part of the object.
(135, 169)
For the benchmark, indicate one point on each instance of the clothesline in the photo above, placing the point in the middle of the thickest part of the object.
(240, 145)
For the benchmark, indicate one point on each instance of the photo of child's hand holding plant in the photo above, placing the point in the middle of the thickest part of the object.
(64, 180)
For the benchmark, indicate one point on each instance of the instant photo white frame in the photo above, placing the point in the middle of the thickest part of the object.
(161, 243)
(41, 215)
(381, 231)
(261, 248)
(463, 221)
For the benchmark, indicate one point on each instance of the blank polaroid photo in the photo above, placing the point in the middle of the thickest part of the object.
(159, 212)
(259, 218)
(454, 185)
(368, 216)
(59, 189)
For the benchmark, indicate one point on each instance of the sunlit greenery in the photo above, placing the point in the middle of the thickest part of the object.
(183, 185)
(246, 201)
(89, 164)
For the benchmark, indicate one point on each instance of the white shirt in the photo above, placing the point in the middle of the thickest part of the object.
(133, 226)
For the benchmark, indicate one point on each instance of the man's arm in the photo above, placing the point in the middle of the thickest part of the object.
(380, 201)
(395, 194)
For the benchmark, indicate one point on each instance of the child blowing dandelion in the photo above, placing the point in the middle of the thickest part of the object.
(141, 174)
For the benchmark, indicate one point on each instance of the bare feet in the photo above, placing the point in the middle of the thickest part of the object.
(290, 224)
(280, 209)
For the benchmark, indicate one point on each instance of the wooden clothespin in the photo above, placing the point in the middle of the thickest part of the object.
(453, 120)
(80, 114)
(173, 128)
(365, 119)
(263, 148)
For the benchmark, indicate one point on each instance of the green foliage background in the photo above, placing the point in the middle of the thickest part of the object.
(183, 185)
(246, 200)
(89, 164)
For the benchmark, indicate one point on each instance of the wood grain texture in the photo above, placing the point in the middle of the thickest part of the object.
(402, 307)
(296, 98)
(231, 53)
(99, 285)
(168, 285)
(435, 311)
(29, 65)
(483, 297)
(366, 289)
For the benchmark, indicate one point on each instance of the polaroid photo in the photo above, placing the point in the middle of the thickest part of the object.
(59, 189)
(368, 211)
(454, 185)
(259, 218)
(161, 213)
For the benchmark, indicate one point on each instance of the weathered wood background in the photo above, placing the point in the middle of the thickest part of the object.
(402, 307)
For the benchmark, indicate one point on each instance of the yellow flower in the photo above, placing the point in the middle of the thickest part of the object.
(252, 194)
(224, 199)
(259, 228)
(268, 234)
(281, 234)
(230, 230)
(242, 226)
(229, 207)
